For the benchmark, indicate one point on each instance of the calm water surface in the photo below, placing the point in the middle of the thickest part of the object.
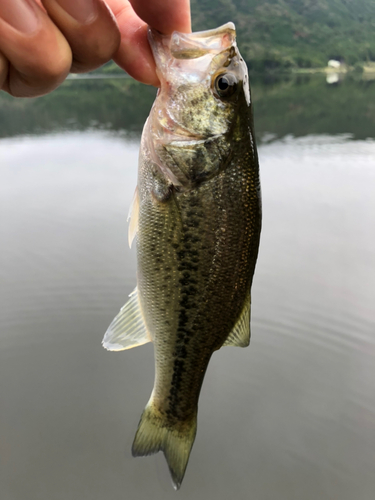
(293, 416)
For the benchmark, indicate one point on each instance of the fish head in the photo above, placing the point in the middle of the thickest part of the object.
(204, 82)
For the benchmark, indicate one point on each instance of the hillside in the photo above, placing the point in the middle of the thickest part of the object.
(276, 34)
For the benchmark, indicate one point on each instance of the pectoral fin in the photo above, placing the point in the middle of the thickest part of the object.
(133, 217)
(240, 335)
(128, 329)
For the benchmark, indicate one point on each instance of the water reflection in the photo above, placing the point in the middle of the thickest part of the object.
(296, 105)
(291, 417)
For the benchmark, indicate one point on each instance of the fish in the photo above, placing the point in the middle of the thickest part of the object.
(196, 217)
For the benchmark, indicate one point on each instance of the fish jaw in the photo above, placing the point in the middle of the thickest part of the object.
(168, 49)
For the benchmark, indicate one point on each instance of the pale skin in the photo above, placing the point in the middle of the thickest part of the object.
(42, 41)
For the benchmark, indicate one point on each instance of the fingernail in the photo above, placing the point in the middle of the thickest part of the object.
(83, 11)
(20, 14)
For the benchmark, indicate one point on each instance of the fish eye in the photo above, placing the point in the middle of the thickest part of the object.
(225, 85)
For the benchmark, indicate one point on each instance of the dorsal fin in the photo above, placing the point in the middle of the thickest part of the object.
(133, 217)
(240, 335)
(128, 329)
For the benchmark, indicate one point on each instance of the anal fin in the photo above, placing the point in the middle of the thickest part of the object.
(240, 335)
(128, 329)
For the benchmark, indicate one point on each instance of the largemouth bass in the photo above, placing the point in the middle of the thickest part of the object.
(197, 217)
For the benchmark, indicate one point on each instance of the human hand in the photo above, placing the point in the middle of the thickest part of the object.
(41, 41)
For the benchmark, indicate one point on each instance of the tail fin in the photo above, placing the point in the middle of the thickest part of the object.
(175, 440)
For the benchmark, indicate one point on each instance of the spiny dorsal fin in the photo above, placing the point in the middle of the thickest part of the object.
(240, 335)
(133, 217)
(128, 329)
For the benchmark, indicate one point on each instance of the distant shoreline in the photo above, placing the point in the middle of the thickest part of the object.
(367, 68)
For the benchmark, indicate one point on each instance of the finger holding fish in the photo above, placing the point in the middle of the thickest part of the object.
(165, 16)
(39, 57)
(90, 29)
(133, 18)
(41, 41)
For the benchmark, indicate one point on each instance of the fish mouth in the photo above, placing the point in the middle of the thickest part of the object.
(193, 45)
(190, 45)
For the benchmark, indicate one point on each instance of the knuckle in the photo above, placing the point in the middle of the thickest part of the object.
(51, 57)
(95, 53)
(39, 78)
(55, 68)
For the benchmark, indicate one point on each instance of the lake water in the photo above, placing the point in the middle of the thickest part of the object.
(291, 417)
